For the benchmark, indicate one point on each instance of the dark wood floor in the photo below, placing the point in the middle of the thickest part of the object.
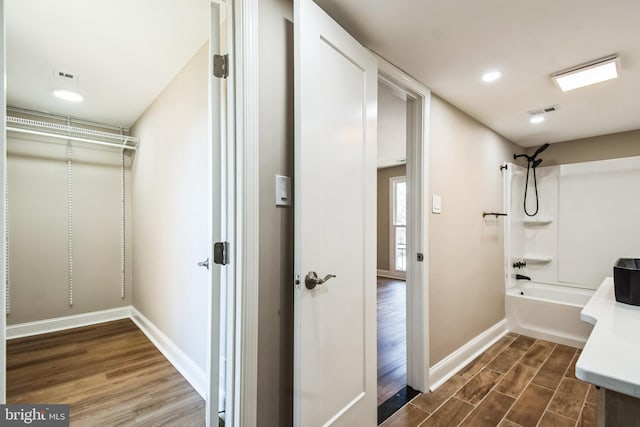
(392, 337)
(518, 382)
(110, 374)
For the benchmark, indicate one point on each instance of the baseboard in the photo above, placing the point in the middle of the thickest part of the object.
(183, 363)
(571, 341)
(67, 322)
(398, 275)
(457, 360)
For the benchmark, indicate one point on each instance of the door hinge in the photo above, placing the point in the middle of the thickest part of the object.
(221, 253)
(221, 66)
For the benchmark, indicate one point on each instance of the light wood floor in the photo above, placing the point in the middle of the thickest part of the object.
(110, 374)
(519, 381)
(392, 337)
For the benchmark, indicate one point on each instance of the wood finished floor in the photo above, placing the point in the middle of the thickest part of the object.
(519, 381)
(392, 337)
(110, 374)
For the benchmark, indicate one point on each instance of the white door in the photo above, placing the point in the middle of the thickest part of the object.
(335, 220)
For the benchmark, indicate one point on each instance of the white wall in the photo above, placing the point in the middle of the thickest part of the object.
(171, 210)
(38, 268)
(392, 127)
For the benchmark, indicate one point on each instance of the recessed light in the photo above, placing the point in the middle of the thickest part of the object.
(538, 118)
(597, 71)
(68, 95)
(491, 76)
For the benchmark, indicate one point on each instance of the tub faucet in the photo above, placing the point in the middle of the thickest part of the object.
(522, 277)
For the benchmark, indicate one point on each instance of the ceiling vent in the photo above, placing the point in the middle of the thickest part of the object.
(65, 76)
(544, 110)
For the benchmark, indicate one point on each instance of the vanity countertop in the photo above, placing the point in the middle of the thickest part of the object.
(611, 356)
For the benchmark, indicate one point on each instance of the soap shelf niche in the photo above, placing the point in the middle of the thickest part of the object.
(537, 259)
(533, 222)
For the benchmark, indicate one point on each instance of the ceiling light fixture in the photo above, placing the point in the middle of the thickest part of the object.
(597, 71)
(538, 118)
(68, 95)
(491, 76)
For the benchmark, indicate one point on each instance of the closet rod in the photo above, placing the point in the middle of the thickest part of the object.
(72, 138)
(63, 118)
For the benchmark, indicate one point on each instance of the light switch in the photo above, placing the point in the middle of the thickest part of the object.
(283, 190)
(436, 206)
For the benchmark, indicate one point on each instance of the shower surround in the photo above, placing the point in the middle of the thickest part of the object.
(584, 224)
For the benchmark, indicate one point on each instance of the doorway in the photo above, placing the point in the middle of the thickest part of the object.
(402, 284)
(392, 228)
(169, 109)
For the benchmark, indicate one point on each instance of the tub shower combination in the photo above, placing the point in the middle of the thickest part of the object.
(559, 242)
(548, 312)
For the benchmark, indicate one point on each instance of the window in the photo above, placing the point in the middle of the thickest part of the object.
(398, 235)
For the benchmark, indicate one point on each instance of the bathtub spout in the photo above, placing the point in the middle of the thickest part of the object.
(522, 277)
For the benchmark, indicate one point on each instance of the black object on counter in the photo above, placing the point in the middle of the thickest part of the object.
(626, 280)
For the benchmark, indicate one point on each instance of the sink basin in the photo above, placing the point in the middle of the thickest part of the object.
(626, 280)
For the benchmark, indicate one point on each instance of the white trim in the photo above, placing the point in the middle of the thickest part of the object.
(246, 250)
(397, 275)
(418, 107)
(3, 178)
(457, 360)
(46, 326)
(191, 372)
(217, 204)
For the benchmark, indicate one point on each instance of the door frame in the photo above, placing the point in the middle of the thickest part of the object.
(246, 228)
(3, 234)
(221, 219)
(417, 175)
(245, 253)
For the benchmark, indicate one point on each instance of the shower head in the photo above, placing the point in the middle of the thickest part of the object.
(540, 150)
(532, 158)
(536, 163)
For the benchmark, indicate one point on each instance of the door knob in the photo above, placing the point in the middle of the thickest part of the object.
(311, 280)
(204, 263)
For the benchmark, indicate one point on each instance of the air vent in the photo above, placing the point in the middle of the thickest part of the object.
(544, 110)
(66, 76)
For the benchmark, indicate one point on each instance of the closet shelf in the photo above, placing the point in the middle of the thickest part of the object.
(537, 221)
(537, 259)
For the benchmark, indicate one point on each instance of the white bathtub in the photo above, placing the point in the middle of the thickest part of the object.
(548, 312)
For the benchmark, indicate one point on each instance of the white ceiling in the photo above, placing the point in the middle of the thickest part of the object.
(124, 52)
(448, 45)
